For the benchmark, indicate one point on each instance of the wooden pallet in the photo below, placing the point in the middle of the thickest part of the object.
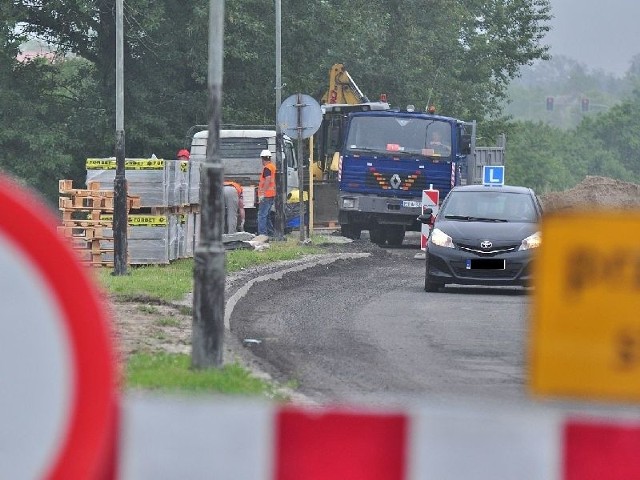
(326, 225)
(83, 232)
(86, 202)
(81, 211)
(91, 197)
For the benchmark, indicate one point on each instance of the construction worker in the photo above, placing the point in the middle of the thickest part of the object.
(266, 194)
(183, 154)
(234, 207)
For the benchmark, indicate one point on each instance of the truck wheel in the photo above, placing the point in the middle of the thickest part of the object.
(350, 231)
(395, 235)
(377, 235)
(429, 284)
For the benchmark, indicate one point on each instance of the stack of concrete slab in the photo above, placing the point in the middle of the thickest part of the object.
(167, 224)
(155, 239)
(158, 183)
(193, 182)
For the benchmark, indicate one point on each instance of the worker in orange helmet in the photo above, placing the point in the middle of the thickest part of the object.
(183, 154)
(234, 207)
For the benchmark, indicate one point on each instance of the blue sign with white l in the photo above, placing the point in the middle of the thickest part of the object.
(493, 175)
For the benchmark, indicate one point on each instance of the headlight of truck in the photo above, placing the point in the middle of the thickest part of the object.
(532, 241)
(438, 237)
(348, 203)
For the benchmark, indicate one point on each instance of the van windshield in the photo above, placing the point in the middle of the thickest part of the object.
(242, 147)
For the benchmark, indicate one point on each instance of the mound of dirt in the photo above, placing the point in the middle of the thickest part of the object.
(594, 192)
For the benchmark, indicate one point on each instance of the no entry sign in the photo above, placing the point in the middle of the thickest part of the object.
(58, 401)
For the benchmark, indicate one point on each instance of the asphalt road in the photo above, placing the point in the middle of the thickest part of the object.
(364, 330)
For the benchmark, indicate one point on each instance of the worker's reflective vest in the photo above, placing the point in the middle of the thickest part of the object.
(235, 185)
(267, 185)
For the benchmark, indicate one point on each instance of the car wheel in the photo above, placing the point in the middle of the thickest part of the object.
(377, 235)
(395, 235)
(429, 284)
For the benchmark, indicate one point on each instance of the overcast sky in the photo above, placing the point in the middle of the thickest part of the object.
(599, 33)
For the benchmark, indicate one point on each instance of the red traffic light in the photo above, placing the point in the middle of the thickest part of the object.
(585, 104)
(549, 103)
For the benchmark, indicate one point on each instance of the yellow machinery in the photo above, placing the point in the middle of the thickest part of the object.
(342, 97)
(342, 88)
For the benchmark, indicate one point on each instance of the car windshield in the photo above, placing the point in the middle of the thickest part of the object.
(401, 134)
(489, 205)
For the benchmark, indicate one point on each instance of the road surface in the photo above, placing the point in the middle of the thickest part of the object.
(364, 330)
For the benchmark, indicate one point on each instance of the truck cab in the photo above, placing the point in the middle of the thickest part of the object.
(240, 155)
(387, 159)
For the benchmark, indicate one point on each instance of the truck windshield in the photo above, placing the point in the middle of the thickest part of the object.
(414, 135)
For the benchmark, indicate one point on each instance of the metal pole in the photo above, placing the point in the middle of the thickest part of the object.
(299, 108)
(281, 167)
(120, 214)
(311, 160)
(209, 255)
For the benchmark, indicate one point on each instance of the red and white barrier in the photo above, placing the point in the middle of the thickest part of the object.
(229, 440)
(430, 199)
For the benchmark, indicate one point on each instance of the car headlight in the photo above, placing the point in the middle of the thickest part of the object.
(438, 237)
(348, 203)
(532, 241)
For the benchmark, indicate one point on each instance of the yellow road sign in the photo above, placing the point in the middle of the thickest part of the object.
(585, 322)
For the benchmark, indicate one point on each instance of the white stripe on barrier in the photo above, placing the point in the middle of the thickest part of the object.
(484, 445)
(170, 438)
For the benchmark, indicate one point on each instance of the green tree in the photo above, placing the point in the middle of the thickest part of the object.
(459, 55)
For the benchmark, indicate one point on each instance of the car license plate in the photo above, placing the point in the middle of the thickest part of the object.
(411, 203)
(486, 264)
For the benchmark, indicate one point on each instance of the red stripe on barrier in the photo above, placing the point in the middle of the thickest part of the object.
(342, 445)
(599, 451)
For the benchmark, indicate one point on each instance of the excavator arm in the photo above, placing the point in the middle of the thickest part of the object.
(342, 89)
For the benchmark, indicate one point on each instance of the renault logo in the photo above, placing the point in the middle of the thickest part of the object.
(395, 181)
(486, 244)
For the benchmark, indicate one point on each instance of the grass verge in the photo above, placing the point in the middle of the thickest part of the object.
(168, 283)
(173, 373)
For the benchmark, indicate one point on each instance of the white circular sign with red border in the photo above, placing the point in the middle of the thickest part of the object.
(58, 402)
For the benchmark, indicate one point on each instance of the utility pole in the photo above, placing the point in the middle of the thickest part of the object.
(209, 255)
(281, 167)
(120, 214)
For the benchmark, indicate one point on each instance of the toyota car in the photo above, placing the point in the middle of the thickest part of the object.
(482, 235)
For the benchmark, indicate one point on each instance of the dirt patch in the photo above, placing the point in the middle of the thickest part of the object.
(150, 327)
(594, 192)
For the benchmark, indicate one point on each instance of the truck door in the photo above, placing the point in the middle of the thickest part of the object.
(292, 165)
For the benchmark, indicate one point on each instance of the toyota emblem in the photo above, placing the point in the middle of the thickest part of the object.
(486, 244)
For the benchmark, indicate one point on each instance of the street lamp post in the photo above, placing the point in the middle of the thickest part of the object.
(209, 256)
(120, 215)
(281, 167)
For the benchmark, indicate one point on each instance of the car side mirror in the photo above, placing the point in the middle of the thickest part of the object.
(426, 217)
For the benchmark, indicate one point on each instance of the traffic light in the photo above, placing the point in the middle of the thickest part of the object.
(585, 104)
(549, 104)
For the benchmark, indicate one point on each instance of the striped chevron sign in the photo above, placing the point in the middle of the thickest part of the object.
(430, 199)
